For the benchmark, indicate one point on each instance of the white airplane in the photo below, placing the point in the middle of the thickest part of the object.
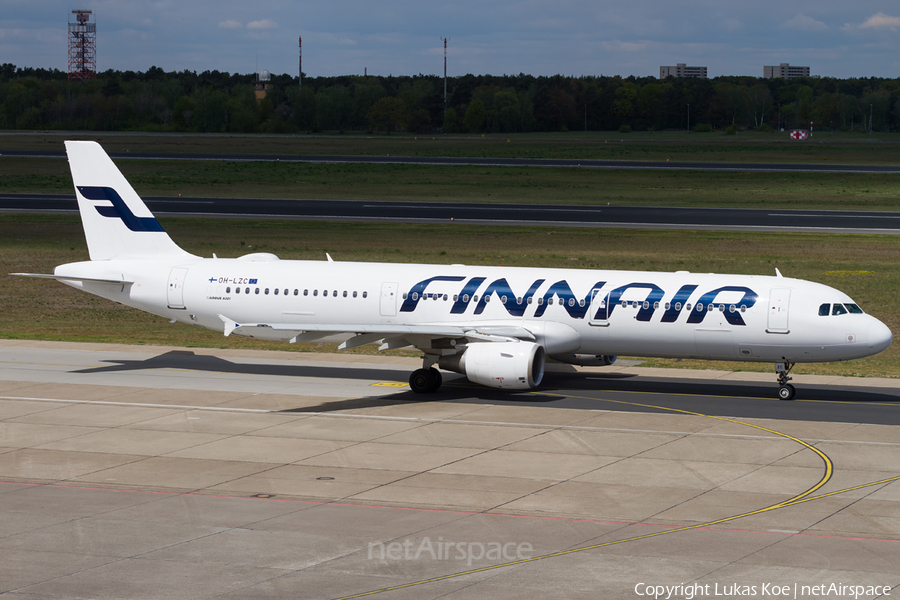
(495, 325)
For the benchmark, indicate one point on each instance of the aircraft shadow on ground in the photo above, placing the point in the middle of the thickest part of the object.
(559, 386)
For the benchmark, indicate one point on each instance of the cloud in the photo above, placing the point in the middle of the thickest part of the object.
(263, 24)
(230, 24)
(803, 22)
(881, 21)
(619, 46)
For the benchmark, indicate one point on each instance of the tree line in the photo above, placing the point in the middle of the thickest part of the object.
(213, 101)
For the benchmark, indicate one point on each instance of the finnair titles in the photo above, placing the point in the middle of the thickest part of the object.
(495, 325)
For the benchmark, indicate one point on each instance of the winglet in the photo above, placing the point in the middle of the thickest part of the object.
(230, 325)
(778, 273)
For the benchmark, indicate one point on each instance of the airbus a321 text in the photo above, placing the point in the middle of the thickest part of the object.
(495, 325)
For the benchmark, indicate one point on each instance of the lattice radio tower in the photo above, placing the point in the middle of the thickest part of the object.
(82, 47)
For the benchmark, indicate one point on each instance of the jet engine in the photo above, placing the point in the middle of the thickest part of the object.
(505, 365)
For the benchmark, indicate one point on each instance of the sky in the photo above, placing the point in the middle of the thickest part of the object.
(404, 37)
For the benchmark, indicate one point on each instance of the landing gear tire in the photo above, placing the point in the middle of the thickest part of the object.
(786, 392)
(424, 381)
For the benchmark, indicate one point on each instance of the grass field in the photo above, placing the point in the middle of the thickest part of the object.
(866, 267)
(773, 147)
(420, 183)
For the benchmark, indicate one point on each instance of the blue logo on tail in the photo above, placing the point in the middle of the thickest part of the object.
(119, 210)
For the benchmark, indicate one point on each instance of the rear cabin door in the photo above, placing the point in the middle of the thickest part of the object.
(175, 293)
(779, 301)
(389, 299)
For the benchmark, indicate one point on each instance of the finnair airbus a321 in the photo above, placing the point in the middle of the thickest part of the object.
(495, 325)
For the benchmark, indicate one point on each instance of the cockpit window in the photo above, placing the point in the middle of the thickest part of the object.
(838, 309)
(824, 310)
(854, 309)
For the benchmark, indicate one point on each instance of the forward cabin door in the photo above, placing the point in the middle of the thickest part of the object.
(175, 293)
(779, 301)
(599, 311)
(389, 299)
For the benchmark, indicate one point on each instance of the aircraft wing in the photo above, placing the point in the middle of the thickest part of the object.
(394, 336)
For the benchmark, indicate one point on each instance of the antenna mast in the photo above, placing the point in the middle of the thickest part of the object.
(445, 74)
(300, 77)
(82, 47)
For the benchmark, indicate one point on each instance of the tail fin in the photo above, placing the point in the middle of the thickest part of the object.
(117, 223)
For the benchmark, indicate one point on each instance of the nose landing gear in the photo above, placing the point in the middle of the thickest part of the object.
(785, 390)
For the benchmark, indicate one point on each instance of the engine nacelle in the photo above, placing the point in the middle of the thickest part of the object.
(505, 365)
(586, 360)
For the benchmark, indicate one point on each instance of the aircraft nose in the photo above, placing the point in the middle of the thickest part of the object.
(880, 337)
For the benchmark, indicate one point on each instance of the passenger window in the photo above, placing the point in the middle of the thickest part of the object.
(345, 293)
(334, 293)
(519, 300)
(529, 299)
(306, 292)
(854, 309)
(465, 297)
(365, 294)
(296, 292)
(540, 301)
(315, 292)
(646, 304)
(415, 296)
(669, 305)
(503, 299)
(325, 293)
(838, 309)
(257, 291)
(247, 290)
(571, 301)
(267, 291)
(580, 302)
(354, 294)
(237, 290)
(445, 297)
(228, 290)
(656, 306)
(677, 306)
(824, 309)
(276, 291)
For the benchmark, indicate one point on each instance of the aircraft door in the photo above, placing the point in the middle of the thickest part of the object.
(599, 311)
(389, 299)
(779, 301)
(175, 291)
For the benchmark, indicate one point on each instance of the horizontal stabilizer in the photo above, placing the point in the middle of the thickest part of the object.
(73, 278)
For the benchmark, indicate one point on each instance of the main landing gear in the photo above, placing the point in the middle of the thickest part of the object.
(427, 379)
(785, 390)
(424, 381)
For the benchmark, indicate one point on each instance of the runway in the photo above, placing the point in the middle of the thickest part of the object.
(145, 472)
(504, 162)
(494, 214)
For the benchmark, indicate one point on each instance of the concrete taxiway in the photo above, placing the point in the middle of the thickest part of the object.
(143, 472)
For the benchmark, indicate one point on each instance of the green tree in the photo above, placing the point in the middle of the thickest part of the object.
(451, 120)
(386, 114)
(475, 115)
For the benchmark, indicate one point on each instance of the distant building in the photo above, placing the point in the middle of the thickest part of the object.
(263, 84)
(682, 70)
(785, 71)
